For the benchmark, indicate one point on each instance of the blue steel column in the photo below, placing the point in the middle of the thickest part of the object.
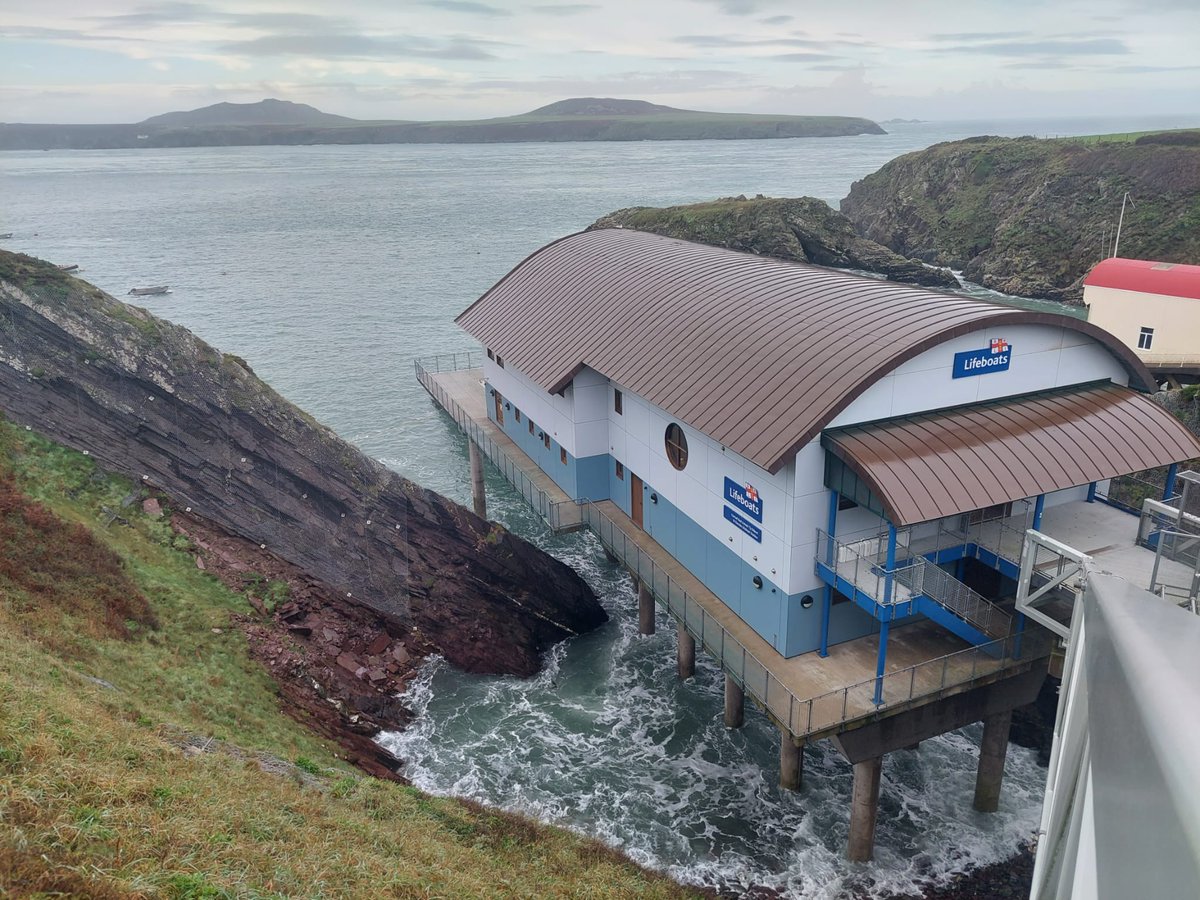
(891, 564)
(1169, 489)
(1038, 508)
(827, 595)
(1091, 498)
(883, 638)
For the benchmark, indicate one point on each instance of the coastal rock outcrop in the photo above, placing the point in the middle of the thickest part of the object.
(1031, 217)
(802, 229)
(151, 401)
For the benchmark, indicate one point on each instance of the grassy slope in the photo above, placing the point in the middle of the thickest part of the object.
(96, 797)
(1127, 137)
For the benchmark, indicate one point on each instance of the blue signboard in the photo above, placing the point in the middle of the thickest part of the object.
(737, 521)
(993, 358)
(745, 498)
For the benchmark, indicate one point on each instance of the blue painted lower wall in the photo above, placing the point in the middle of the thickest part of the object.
(781, 619)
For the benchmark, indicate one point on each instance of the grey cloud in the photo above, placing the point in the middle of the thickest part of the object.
(777, 20)
(802, 57)
(979, 35)
(564, 9)
(1084, 47)
(678, 81)
(713, 41)
(35, 33)
(471, 7)
(738, 7)
(358, 46)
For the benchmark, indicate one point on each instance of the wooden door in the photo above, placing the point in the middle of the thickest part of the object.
(635, 499)
(499, 408)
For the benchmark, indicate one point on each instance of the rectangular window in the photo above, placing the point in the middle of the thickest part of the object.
(620, 472)
(618, 406)
(531, 426)
(845, 503)
(989, 514)
(491, 355)
(1145, 338)
(562, 455)
(518, 414)
(499, 361)
(546, 439)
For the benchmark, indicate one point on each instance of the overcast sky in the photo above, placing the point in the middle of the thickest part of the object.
(116, 61)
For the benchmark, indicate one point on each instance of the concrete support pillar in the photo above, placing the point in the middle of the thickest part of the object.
(686, 653)
(478, 497)
(645, 609)
(864, 809)
(735, 703)
(791, 762)
(991, 761)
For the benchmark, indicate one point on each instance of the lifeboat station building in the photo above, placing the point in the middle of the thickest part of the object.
(826, 479)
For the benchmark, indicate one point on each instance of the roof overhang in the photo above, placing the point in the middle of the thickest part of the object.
(931, 465)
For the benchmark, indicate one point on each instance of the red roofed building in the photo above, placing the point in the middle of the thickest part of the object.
(1153, 307)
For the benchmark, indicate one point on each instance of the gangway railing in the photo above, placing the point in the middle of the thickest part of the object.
(950, 593)
(560, 515)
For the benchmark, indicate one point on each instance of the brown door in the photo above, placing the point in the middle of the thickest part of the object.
(635, 499)
(499, 408)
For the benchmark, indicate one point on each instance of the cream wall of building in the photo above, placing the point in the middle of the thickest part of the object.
(1175, 320)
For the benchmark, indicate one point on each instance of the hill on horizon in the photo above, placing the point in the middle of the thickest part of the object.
(282, 122)
(603, 106)
(264, 112)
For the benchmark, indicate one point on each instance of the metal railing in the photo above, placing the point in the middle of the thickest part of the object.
(862, 564)
(868, 572)
(560, 515)
(804, 716)
(449, 362)
(947, 591)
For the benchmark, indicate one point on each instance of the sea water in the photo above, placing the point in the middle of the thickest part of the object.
(329, 269)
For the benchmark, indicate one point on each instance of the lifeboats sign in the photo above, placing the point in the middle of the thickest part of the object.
(993, 358)
(744, 498)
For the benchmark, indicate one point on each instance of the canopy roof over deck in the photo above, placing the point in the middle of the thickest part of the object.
(927, 466)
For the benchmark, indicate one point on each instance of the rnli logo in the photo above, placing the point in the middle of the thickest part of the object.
(995, 357)
(744, 498)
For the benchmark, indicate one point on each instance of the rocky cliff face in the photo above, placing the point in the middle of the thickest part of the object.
(802, 229)
(149, 400)
(1031, 217)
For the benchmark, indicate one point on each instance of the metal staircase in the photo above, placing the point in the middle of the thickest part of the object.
(915, 585)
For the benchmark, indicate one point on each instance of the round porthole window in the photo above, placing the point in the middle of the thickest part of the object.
(677, 451)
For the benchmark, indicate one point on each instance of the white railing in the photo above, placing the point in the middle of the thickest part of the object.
(560, 515)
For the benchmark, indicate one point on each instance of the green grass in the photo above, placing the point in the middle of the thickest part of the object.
(1127, 137)
(119, 792)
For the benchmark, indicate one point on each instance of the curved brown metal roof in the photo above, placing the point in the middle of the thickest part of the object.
(758, 353)
(927, 466)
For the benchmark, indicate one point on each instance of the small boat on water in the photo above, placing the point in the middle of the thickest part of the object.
(71, 267)
(5, 236)
(150, 291)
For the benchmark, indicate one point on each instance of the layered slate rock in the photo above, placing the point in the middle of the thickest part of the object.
(150, 400)
(801, 229)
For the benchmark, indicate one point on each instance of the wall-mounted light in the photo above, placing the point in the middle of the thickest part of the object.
(807, 601)
(757, 582)
(654, 498)
(507, 405)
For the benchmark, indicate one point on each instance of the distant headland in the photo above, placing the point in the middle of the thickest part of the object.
(283, 122)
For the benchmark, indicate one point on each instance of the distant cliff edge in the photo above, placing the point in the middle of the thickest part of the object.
(1031, 217)
(801, 229)
(283, 122)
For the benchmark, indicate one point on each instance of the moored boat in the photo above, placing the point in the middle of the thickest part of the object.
(69, 267)
(150, 291)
